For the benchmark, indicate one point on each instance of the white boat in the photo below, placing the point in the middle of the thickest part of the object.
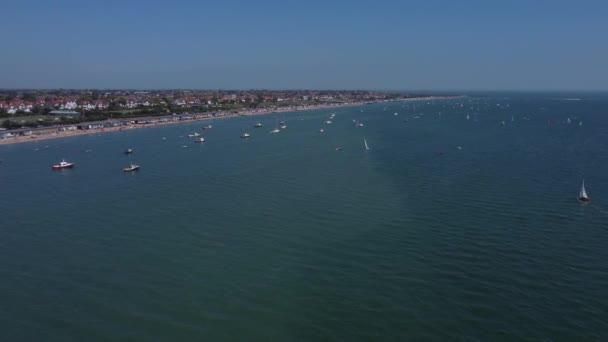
(258, 125)
(360, 124)
(275, 131)
(328, 122)
(207, 127)
(582, 195)
(130, 168)
(245, 135)
(200, 140)
(129, 151)
(396, 113)
(365, 142)
(321, 130)
(195, 134)
(580, 123)
(468, 117)
(62, 165)
(283, 126)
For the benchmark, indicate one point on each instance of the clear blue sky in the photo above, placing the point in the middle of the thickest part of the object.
(408, 45)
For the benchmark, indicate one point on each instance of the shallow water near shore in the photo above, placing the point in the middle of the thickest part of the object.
(446, 229)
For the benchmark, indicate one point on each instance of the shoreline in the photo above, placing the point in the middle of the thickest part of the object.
(66, 134)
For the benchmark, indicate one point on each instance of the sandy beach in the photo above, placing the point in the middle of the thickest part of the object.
(66, 134)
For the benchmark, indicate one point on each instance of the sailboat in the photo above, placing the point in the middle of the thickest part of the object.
(365, 142)
(468, 117)
(276, 129)
(582, 195)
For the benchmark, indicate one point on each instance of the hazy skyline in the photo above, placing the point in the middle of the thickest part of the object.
(431, 45)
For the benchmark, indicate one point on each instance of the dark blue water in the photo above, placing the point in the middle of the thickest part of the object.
(281, 237)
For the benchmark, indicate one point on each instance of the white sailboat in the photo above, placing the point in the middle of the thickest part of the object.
(582, 195)
(365, 142)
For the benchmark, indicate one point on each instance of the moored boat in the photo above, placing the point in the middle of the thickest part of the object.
(200, 140)
(195, 134)
(129, 151)
(245, 135)
(207, 127)
(132, 167)
(62, 165)
(258, 125)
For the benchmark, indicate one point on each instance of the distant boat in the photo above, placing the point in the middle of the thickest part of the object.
(338, 148)
(328, 122)
(359, 124)
(195, 134)
(321, 130)
(283, 126)
(129, 151)
(582, 196)
(245, 135)
(62, 165)
(258, 125)
(513, 119)
(468, 117)
(275, 131)
(207, 127)
(568, 121)
(365, 142)
(580, 123)
(282, 122)
(131, 168)
(200, 140)
(396, 113)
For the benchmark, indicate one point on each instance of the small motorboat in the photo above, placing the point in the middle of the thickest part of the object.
(129, 151)
(275, 131)
(200, 140)
(195, 134)
(207, 127)
(283, 126)
(328, 122)
(131, 168)
(258, 125)
(62, 165)
(360, 124)
(245, 135)
(321, 130)
(282, 122)
(338, 148)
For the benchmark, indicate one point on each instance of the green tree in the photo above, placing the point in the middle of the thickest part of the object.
(28, 97)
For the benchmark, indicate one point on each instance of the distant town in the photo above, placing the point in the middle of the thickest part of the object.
(34, 108)
(29, 115)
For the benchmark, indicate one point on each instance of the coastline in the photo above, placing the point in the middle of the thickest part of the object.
(57, 134)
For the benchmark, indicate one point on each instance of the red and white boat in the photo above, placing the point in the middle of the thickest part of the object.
(62, 165)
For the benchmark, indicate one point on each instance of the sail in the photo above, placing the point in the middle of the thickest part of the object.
(365, 142)
(583, 193)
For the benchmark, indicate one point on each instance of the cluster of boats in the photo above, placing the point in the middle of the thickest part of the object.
(63, 164)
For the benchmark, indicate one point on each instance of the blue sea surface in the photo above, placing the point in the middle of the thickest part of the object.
(447, 229)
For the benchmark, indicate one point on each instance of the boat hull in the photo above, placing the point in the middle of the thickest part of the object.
(584, 199)
(59, 167)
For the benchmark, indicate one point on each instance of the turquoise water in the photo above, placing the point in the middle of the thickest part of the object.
(281, 237)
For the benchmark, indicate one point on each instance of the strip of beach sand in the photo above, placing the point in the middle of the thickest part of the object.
(56, 134)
